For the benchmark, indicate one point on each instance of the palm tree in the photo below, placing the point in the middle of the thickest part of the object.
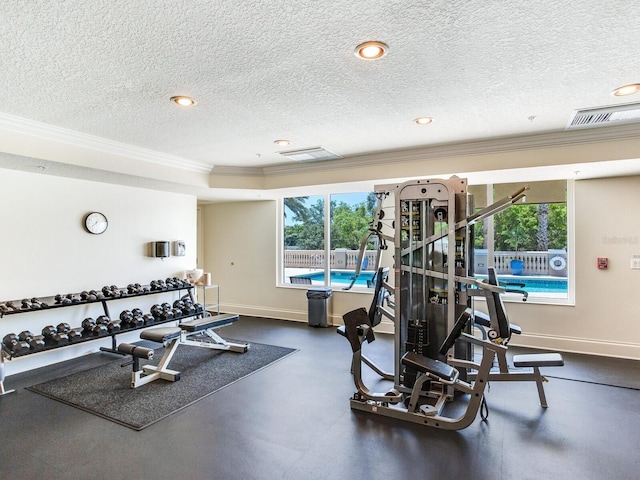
(298, 206)
(542, 235)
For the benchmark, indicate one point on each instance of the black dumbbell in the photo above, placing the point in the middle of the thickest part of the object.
(114, 326)
(166, 315)
(36, 303)
(51, 335)
(88, 324)
(14, 344)
(136, 321)
(179, 304)
(126, 316)
(63, 327)
(156, 310)
(137, 312)
(148, 318)
(100, 330)
(36, 342)
(177, 313)
(75, 334)
(111, 325)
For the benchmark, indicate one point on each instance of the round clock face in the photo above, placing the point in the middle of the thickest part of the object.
(96, 223)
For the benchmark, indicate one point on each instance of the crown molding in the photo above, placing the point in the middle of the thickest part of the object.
(462, 149)
(223, 170)
(25, 126)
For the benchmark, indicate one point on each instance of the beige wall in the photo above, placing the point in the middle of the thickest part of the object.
(241, 246)
(45, 250)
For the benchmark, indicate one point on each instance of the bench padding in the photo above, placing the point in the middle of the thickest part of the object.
(215, 321)
(162, 334)
(538, 360)
(428, 365)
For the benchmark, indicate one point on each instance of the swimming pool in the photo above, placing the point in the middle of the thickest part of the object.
(532, 284)
(340, 277)
(546, 285)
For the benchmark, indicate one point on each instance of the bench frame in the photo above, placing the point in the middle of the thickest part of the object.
(183, 334)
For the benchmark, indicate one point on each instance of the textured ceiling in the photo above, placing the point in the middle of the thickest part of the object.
(264, 70)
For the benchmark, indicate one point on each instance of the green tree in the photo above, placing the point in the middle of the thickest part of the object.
(349, 225)
(519, 228)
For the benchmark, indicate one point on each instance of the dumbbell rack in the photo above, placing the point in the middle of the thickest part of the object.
(51, 302)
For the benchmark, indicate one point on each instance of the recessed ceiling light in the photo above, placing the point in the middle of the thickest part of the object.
(627, 90)
(423, 120)
(282, 142)
(183, 101)
(371, 50)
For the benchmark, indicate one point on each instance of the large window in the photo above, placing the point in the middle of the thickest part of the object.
(527, 243)
(308, 259)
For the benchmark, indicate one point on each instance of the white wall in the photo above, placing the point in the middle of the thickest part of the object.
(241, 244)
(45, 249)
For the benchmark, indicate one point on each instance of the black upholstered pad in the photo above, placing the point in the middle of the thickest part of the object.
(161, 334)
(215, 321)
(538, 360)
(428, 365)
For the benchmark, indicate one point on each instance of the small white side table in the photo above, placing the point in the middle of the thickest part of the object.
(209, 307)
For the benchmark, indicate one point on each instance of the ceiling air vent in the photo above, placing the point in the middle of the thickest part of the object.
(603, 116)
(313, 154)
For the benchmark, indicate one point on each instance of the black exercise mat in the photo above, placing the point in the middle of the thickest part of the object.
(106, 390)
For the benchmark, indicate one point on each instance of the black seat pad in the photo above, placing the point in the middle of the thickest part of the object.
(216, 321)
(428, 365)
(162, 334)
(538, 360)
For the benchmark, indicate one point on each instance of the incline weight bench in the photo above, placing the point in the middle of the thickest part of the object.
(500, 332)
(197, 333)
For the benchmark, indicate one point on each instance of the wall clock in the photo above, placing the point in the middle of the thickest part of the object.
(96, 223)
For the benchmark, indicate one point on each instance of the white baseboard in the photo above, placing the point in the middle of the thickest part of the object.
(539, 341)
(578, 345)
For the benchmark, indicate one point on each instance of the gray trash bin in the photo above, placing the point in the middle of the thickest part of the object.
(318, 312)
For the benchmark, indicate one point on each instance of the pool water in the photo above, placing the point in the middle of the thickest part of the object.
(340, 277)
(532, 284)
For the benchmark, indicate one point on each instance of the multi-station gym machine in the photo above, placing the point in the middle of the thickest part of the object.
(430, 303)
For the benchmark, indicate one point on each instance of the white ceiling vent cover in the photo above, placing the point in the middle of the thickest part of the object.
(312, 154)
(600, 117)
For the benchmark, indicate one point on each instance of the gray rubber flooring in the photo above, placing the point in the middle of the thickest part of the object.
(292, 421)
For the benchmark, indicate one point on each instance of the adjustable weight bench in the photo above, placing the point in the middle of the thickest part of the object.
(196, 333)
(169, 337)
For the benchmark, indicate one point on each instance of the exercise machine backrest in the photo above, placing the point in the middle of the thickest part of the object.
(455, 332)
(503, 328)
(379, 295)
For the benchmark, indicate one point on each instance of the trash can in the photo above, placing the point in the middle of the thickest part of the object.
(318, 312)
